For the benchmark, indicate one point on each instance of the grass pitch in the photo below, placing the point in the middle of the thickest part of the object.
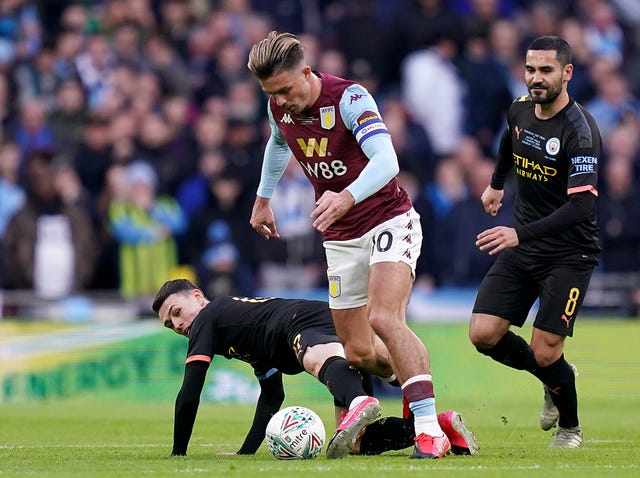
(98, 436)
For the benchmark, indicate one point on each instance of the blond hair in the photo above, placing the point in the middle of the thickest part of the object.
(276, 53)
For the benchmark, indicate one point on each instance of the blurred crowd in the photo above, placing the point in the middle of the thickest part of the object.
(131, 132)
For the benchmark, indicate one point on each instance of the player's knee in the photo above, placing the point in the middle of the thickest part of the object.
(545, 356)
(360, 358)
(384, 325)
(482, 337)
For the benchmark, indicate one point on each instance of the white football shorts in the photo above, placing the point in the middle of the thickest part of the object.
(397, 240)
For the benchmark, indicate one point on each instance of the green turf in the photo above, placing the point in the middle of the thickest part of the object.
(101, 435)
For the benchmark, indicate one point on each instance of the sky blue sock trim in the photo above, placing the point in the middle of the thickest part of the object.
(424, 407)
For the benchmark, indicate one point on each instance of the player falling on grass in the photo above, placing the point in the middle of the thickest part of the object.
(553, 145)
(277, 336)
(372, 234)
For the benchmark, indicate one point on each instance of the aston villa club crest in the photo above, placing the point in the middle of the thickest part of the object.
(334, 286)
(328, 117)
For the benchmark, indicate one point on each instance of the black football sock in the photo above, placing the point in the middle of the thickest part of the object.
(389, 433)
(512, 351)
(367, 382)
(343, 380)
(559, 379)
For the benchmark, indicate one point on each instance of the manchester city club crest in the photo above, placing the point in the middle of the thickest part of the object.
(327, 117)
(334, 286)
(553, 146)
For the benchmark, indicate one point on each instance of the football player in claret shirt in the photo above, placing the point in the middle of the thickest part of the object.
(553, 146)
(372, 235)
(277, 336)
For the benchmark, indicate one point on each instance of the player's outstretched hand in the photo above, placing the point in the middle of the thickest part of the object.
(330, 207)
(491, 200)
(496, 239)
(262, 219)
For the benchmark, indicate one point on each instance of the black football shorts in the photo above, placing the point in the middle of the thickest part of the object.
(312, 325)
(512, 285)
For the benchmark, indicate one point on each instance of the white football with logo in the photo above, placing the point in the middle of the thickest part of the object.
(295, 433)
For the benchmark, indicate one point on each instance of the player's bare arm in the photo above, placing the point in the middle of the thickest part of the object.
(497, 239)
(492, 200)
(330, 207)
(262, 219)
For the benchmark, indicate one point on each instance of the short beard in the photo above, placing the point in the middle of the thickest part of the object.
(550, 97)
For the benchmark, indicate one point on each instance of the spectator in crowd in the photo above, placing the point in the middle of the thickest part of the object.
(68, 45)
(468, 153)
(351, 35)
(7, 105)
(167, 65)
(123, 129)
(433, 92)
(146, 96)
(618, 210)
(20, 31)
(412, 145)
(333, 62)
(482, 13)
(623, 141)
(618, 214)
(95, 68)
(296, 261)
(116, 188)
(193, 193)
(216, 242)
(36, 78)
(468, 265)
(543, 17)
(32, 133)
(201, 76)
(241, 148)
(68, 117)
(49, 244)
(175, 24)
(435, 204)
(145, 225)
(12, 195)
(488, 94)
(210, 131)
(154, 145)
(603, 34)
(74, 16)
(581, 87)
(244, 102)
(408, 29)
(127, 46)
(613, 102)
(93, 155)
(179, 113)
(504, 39)
(229, 64)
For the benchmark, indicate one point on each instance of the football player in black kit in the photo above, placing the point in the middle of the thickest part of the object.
(553, 146)
(277, 336)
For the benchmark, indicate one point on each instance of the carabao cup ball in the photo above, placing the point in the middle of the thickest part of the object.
(295, 433)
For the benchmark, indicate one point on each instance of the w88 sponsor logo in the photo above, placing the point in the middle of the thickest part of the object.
(326, 169)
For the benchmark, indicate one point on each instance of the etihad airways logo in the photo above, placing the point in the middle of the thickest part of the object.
(286, 118)
(529, 169)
